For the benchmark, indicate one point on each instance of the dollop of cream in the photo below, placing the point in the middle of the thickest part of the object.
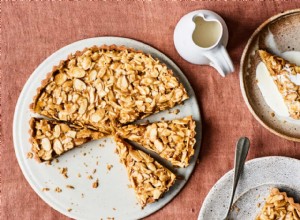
(269, 89)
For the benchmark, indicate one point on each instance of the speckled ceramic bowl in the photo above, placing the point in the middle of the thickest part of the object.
(278, 34)
(258, 178)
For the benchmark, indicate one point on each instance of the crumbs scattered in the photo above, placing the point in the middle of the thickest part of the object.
(162, 118)
(79, 175)
(101, 145)
(235, 208)
(129, 186)
(258, 205)
(45, 189)
(96, 184)
(69, 210)
(85, 164)
(29, 155)
(114, 209)
(110, 218)
(97, 163)
(273, 114)
(109, 166)
(64, 171)
(82, 195)
(94, 171)
(70, 186)
(90, 177)
(56, 160)
(84, 154)
(176, 111)
(58, 190)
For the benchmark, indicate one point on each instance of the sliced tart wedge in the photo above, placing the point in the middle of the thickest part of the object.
(172, 140)
(51, 138)
(149, 179)
(108, 83)
(284, 75)
(279, 206)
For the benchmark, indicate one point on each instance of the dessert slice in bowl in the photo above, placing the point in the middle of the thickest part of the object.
(285, 76)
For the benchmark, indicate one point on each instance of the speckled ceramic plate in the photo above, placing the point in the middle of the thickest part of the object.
(113, 197)
(278, 34)
(258, 177)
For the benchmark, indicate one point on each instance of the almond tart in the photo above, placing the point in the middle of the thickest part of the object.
(172, 140)
(106, 84)
(51, 138)
(282, 72)
(149, 179)
(279, 206)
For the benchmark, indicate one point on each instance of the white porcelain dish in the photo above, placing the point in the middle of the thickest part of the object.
(112, 198)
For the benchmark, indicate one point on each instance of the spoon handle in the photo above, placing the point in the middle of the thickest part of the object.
(241, 151)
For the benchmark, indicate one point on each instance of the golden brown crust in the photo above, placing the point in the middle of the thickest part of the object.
(172, 140)
(149, 179)
(31, 134)
(179, 94)
(78, 53)
(51, 138)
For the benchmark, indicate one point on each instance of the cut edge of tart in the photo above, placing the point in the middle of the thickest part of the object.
(50, 138)
(281, 72)
(101, 88)
(279, 206)
(149, 179)
(172, 140)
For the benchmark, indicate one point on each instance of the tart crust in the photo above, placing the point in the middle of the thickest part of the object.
(149, 179)
(50, 138)
(172, 140)
(108, 84)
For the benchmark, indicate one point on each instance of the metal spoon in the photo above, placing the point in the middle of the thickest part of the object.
(241, 151)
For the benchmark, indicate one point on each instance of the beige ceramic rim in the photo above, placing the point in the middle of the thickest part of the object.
(256, 32)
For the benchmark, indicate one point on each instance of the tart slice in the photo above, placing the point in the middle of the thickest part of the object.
(149, 179)
(50, 138)
(108, 83)
(279, 206)
(172, 140)
(284, 75)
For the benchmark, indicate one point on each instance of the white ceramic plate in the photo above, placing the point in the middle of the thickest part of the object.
(258, 177)
(112, 198)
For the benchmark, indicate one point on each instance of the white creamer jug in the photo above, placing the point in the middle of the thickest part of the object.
(200, 37)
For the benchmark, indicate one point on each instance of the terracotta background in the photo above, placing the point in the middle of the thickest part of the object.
(32, 30)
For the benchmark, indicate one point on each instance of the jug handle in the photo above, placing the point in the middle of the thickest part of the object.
(220, 60)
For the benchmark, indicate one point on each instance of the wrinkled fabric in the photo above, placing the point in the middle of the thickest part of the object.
(31, 31)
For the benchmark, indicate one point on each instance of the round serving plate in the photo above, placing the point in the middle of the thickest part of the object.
(113, 198)
(259, 176)
(278, 35)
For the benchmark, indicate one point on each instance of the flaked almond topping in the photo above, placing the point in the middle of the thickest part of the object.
(58, 190)
(96, 184)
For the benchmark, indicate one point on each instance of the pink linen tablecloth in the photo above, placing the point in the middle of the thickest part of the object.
(32, 30)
